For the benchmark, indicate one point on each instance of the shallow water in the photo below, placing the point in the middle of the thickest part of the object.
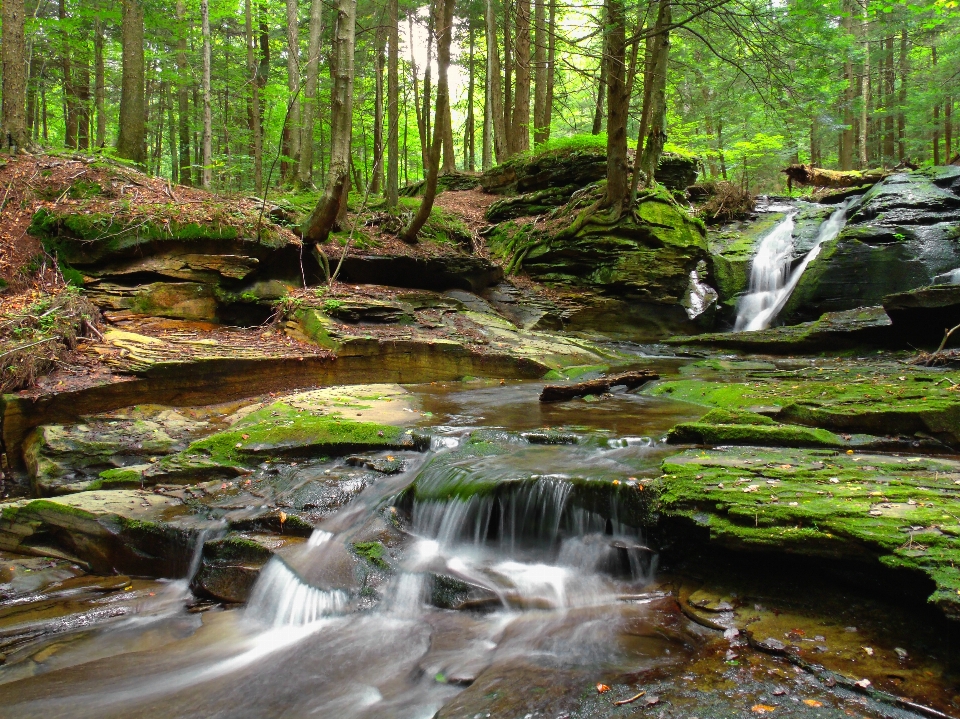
(561, 600)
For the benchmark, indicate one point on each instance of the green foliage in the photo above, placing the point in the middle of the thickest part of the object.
(372, 552)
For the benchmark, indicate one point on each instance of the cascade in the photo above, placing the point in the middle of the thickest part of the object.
(771, 279)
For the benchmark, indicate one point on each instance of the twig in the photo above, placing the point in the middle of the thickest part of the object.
(946, 337)
(628, 701)
(26, 347)
(89, 325)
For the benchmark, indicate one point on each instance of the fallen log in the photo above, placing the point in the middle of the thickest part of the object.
(818, 177)
(630, 380)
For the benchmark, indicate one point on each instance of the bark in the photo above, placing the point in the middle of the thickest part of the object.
(901, 117)
(601, 94)
(69, 92)
(253, 116)
(936, 115)
(392, 190)
(183, 103)
(507, 78)
(292, 149)
(540, 72)
(14, 74)
(427, 91)
(206, 159)
(99, 83)
(864, 88)
(324, 215)
(948, 127)
(83, 99)
(551, 76)
(493, 111)
(449, 154)
(816, 177)
(172, 139)
(444, 30)
(379, 61)
(421, 127)
(305, 170)
(132, 139)
(657, 136)
(649, 46)
(847, 136)
(469, 160)
(618, 103)
(889, 137)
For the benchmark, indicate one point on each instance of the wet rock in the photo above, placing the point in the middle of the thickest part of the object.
(120, 530)
(864, 326)
(449, 592)
(229, 566)
(901, 235)
(71, 458)
(922, 315)
(847, 506)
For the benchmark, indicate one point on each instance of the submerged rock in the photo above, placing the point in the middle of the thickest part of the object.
(899, 512)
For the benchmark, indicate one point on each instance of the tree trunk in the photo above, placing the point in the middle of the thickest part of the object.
(847, 136)
(69, 93)
(444, 30)
(305, 171)
(551, 72)
(508, 77)
(421, 127)
(206, 160)
(132, 140)
(253, 118)
(83, 98)
(601, 94)
(14, 74)
(493, 110)
(540, 72)
(804, 175)
(379, 62)
(657, 136)
(864, 88)
(392, 190)
(521, 108)
(427, 92)
(469, 160)
(183, 102)
(936, 115)
(292, 149)
(99, 83)
(889, 138)
(618, 103)
(901, 117)
(172, 136)
(449, 154)
(948, 128)
(324, 215)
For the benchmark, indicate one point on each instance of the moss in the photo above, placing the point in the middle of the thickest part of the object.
(122, 477)
(46, 505)
(373, 552)
(850, 506)
(874, 401)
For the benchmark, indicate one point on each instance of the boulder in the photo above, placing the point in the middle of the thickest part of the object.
(560, 168)
(447, 182)
(901, 235)
(922, 315)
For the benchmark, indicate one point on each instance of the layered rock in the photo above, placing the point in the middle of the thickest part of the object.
(901, 235)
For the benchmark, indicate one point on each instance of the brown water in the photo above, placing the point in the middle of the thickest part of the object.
(561, 615)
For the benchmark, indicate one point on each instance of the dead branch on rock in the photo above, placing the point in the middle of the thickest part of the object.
(630, 380)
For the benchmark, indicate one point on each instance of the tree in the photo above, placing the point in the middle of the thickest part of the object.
(132, 137)
(520, 129)
(391, 193)
(14, 76)
(618, 102)
(443, 24)
(305, 173)
(657, 136)
(292, 129)
(494, 111)
(183, 101)
(324, 215)
(206, 171)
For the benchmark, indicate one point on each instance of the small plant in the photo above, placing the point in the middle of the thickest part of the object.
(332, 305)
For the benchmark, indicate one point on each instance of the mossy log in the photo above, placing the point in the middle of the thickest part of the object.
(818, 177)
(630, 380)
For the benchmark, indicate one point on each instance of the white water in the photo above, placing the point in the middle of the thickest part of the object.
(771, 280)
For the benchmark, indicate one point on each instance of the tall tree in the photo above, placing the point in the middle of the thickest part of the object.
(618, 102)
(443, 25)
(183, 101)
(391, 193)
(657, 135)
(132, 138)
(493, 111)
(379, 61)
(14, 73)
(292, 129)
(99, 81)
(206, 161)
(324, 215)
(253, 113)
(305, 173)
(540, 71)
(521, 109)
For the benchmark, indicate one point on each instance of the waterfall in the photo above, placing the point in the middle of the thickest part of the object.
(771, 280)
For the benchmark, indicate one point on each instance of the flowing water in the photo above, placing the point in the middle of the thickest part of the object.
(772, 274)
(510, 603)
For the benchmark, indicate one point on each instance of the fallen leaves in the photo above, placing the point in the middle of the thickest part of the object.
(762, 709)
(812, 703)
(602, 688)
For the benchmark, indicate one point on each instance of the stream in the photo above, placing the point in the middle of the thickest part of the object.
(560, 600)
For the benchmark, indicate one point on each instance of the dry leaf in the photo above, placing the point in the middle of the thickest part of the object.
(283, 517)
(601, 688)
(812, 703)
(863, 683)
(762, 709)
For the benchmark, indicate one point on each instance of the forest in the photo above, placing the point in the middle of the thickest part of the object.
(248, 96)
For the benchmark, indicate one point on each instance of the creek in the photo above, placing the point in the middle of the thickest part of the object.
(512, 603)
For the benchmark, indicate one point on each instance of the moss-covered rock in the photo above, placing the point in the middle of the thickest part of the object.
(881, 401)
(126, 530)
(177, 300)
(899, 511)
(900, 235)
(229, 566)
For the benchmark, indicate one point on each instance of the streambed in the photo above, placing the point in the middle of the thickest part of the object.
(511, 602)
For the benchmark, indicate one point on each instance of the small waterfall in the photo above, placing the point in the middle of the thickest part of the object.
(771, 280)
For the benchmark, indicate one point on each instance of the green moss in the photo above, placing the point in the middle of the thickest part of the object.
(875, 401)
(373, 552)
(852, 506)
(122, 477)
(46, 505)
